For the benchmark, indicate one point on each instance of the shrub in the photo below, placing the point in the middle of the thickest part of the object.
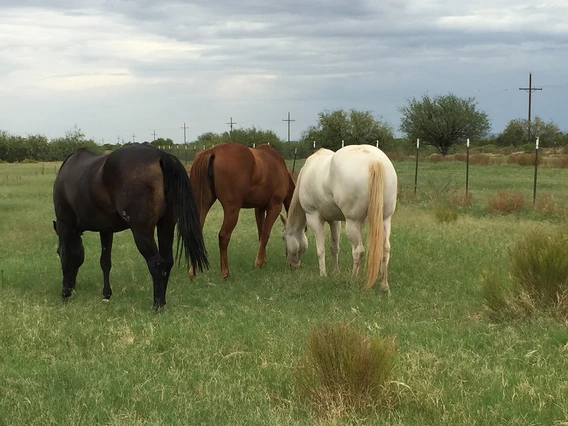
(540, 265)
(559, 162)
(396, 156)
(506, 202)
(480, 159)
(343, 370)
(445, 214)
(545, 204)
(504, 300)
(538, 278)
(522, 159)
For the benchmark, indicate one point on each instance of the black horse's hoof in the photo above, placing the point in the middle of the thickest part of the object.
(159, 307)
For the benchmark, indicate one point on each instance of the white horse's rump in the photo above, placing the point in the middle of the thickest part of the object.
(356, 182)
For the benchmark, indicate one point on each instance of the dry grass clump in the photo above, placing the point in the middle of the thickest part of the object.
(396, 156)
(506, 202)
(446, 214)
(481, 159)
(538, 278)
(557, 162)
(545, 205)
(343, 370)
(522, 159)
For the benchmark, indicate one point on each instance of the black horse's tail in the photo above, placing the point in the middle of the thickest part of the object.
(178, 189)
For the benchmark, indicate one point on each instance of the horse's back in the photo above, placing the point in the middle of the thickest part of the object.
(133, 178)
(105, 192)
(336, 184)
(248, 177)
(313, 186)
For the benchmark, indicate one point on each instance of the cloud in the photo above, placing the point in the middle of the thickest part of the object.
(119, 67)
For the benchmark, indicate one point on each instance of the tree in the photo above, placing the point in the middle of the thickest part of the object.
(162, 142)
(60, 148)
(442, 121)
(515, 133)
(249, 137)
(353, 127)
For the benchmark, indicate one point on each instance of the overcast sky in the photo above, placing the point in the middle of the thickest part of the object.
(114, 68)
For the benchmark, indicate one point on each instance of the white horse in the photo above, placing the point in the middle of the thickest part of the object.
(352, 184)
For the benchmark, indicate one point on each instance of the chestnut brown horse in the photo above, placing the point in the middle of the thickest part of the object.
(137, 187)
(241, 177)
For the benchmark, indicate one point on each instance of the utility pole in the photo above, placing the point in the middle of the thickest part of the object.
(118, 140)
(184, 129)
(154, 133)
(230, 123)
(133, 138)
(530, 89)
(289, 121)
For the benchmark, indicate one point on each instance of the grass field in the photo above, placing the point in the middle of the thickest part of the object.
(223, 352)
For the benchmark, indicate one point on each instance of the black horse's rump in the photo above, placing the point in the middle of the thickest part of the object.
(137, 187)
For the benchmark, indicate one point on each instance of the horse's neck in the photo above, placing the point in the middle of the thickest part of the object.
(296, 214)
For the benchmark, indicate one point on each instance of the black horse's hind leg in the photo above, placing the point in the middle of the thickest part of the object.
(144, 239)
(106, 249)
(166, 227)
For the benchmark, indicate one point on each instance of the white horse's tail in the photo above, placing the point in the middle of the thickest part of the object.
(375, 235)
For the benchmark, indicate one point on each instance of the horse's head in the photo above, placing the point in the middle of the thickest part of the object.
(296, 243)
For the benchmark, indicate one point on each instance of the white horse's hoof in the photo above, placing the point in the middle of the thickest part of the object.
(106, 300)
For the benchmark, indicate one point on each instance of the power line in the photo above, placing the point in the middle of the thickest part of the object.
(289, 121)
(530, 89)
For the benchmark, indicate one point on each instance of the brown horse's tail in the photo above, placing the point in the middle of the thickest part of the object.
(201, 177)
(178, 189)
(375, 236)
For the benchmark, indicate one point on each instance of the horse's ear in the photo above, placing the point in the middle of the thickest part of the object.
(55, 226)
(283, 219)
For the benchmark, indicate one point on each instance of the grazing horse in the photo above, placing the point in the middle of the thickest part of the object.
(352, 184)
(241, 177)
(137, 187)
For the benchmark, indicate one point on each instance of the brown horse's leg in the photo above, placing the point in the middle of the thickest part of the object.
(166, 226)
(230, 218)
(271, 216)
(105, 261)
(260, 215)
(144, 239)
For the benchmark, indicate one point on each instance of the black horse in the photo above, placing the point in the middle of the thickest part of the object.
(137, 187)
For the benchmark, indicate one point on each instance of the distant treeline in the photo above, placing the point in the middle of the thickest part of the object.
(32, 148)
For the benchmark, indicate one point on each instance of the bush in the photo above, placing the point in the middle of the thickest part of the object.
(545, 205)
(538, 278)
(506, 202)
(523, 159)
(445, 214)
(343, 370)
(540, 265)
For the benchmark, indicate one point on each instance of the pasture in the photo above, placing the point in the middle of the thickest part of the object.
(223, 351)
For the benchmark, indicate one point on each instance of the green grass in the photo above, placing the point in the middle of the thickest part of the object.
(225, 351)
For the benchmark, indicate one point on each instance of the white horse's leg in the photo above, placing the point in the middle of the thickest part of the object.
(315, 222)
(335, 227)
(353, 230)
(386, 255)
